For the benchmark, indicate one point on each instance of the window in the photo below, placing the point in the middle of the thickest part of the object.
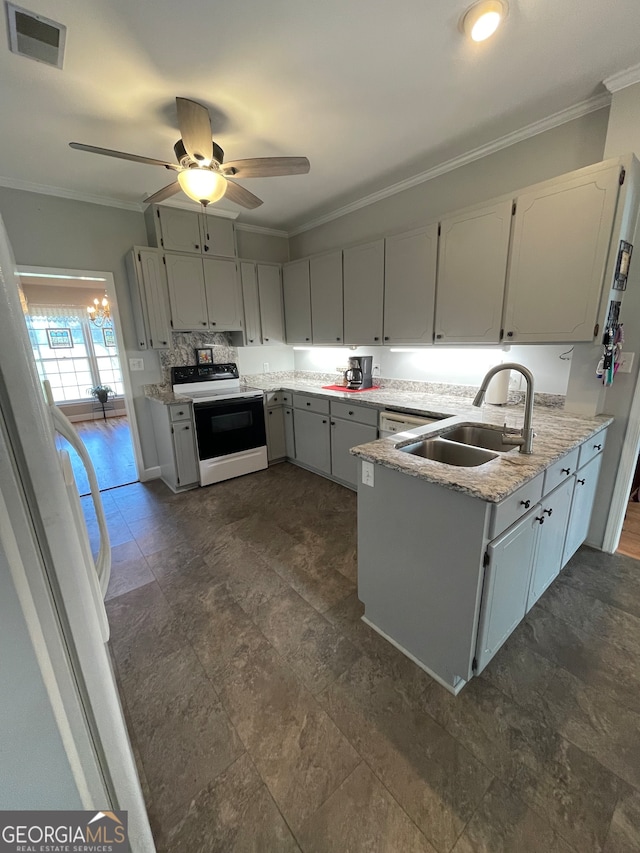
(73, 371)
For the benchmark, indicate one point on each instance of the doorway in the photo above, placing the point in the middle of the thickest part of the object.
(80, 353)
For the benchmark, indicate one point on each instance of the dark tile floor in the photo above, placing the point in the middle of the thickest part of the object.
(267, 717)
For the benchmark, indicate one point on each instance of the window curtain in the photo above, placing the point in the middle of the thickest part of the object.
(58, 312)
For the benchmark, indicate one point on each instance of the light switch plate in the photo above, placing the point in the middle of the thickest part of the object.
(136, 364)
(367, 473)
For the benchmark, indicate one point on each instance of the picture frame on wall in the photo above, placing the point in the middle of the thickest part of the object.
(60, 338)
(109, 336)
(204, 355)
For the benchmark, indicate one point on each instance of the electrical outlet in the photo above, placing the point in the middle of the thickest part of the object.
(265, 366)
(136, 364)
(367, 473)
(627, 362)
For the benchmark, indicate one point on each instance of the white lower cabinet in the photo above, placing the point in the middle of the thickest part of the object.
(506, 586)
(174, 433)
(551, 521)
(289, 433)
(584, 493)
(344, 436)
(276, 442)
(313, 440)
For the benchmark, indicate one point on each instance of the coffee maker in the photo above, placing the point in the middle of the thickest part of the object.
(358, 373)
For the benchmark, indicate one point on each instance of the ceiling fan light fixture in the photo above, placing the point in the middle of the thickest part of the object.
(481, 20)
(202, 185)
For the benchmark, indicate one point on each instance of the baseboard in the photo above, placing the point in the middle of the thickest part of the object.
(150, 474)
(89, 416)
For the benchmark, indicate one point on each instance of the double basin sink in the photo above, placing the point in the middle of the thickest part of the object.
(465, 446)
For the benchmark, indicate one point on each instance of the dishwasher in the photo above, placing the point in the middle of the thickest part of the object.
(392, 422)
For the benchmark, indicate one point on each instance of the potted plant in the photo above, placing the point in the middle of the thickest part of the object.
(101, 393)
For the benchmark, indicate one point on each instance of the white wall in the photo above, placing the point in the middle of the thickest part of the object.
(264, 359)
(454, 365)
(256, 246)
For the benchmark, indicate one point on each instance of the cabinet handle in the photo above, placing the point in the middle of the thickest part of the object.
(196, 246)
(509, 334)
(187, 427)
(165, 343)
(350, 413)
(438, 336)
(250, 340)
(266, 339)
(540, 519)
(597, 447)
(206, 248)
(213, 324)
(525, 504)
(582, 482)
(307, 339)
(204, 323)
(181, 413)
(547, 511)
(376, 339)
(386, 337)
(338, 339)
(308, 404)
(324, 421)
(270, 413)
(333, 423)
(565, 471)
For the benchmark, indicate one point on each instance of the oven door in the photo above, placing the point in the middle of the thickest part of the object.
(229, 426)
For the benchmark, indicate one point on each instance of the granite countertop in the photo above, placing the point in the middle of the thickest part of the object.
(556, 433)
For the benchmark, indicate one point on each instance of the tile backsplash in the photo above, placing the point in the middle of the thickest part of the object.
(183, 350)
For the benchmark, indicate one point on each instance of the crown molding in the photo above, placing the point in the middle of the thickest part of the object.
(45, 189)
(576, 111)
(623, 79)
(261, 229)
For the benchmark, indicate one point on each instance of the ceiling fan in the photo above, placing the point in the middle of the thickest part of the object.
(202, 173)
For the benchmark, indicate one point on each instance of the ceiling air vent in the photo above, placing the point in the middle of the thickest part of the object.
(36, 37)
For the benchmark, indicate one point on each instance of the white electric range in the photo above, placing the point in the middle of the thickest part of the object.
(230, 426)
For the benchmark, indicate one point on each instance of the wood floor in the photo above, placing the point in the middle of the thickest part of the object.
(109, 445)
(630, 539)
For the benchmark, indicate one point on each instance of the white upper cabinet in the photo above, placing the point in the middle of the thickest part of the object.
(325, 272)
(149, 297)
(296, 288)
(363, 270)
(223, 294)
(270, 299)
(249, 278)
(218, 237)
(185, 278)
(179, 230)
(561, 235)
(410, 285)
(472, 268)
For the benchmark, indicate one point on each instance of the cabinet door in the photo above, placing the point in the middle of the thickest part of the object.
(344, 436)
(217, 236)
(584, 493)
(551, 520)
(156, 297)
(472, 268)
(187, 469)
(560, 242)
(224, 299)
(363, 270)
(506, 585)
(410, 286)
(185, 278)
(313, 440)
(289, 433)
(270, 295)
(276, 444)
(325, 273)
(180, 230)
(252, 331)
(296, 289)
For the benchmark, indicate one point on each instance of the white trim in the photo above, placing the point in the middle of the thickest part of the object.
(260, 229)
(555, 120)
(624, 477)
(150, 474)
(623, 79)
(110, 287)
(74, 195)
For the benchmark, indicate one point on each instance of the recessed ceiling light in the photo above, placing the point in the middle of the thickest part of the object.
(482, 19)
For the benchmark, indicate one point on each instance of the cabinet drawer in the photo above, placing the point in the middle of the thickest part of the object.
(179, 412)
(361, 414)
(311, 404)
(560, 470)
(591, 448)
(275, 398)
(510, 509)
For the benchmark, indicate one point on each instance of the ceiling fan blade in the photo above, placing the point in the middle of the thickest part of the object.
(165, 192)
(267, 167)
(195, 130)
(235, 192)
(109, 152)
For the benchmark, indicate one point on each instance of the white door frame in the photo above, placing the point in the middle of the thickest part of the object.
(110, 287)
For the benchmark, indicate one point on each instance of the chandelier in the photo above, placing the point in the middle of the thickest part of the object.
(100, 313)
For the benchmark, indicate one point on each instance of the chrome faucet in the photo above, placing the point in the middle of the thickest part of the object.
(525, 439)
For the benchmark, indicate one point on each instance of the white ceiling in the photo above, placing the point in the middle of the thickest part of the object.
(370, 91)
